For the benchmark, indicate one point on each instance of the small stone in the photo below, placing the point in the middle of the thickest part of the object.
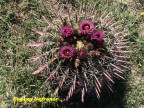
(142, 106)
(141, 31)
(124, 1)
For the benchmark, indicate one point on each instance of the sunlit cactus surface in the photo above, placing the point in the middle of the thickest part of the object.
(81, 50)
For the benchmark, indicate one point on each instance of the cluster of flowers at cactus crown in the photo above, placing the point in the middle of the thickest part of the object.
(76, 40)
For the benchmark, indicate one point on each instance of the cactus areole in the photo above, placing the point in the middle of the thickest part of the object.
(81, 50)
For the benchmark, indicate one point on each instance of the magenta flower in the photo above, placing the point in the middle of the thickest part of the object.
(66, 30)
(81, 53)
(66, 52)
(86, 26)
(97, 35)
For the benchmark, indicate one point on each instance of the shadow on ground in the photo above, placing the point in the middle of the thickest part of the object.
(107, 100)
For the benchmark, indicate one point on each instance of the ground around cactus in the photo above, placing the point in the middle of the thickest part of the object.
(18, 18)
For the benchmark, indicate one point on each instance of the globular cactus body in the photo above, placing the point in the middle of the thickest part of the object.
(84, 49)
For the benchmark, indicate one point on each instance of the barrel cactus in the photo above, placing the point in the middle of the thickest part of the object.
(81, 49)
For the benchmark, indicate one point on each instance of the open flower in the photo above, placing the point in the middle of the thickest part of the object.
(66, 30)
(86, 26)
(66, 52)
(97, 35)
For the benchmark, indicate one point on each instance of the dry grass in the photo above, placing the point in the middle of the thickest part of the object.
(17, 20)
